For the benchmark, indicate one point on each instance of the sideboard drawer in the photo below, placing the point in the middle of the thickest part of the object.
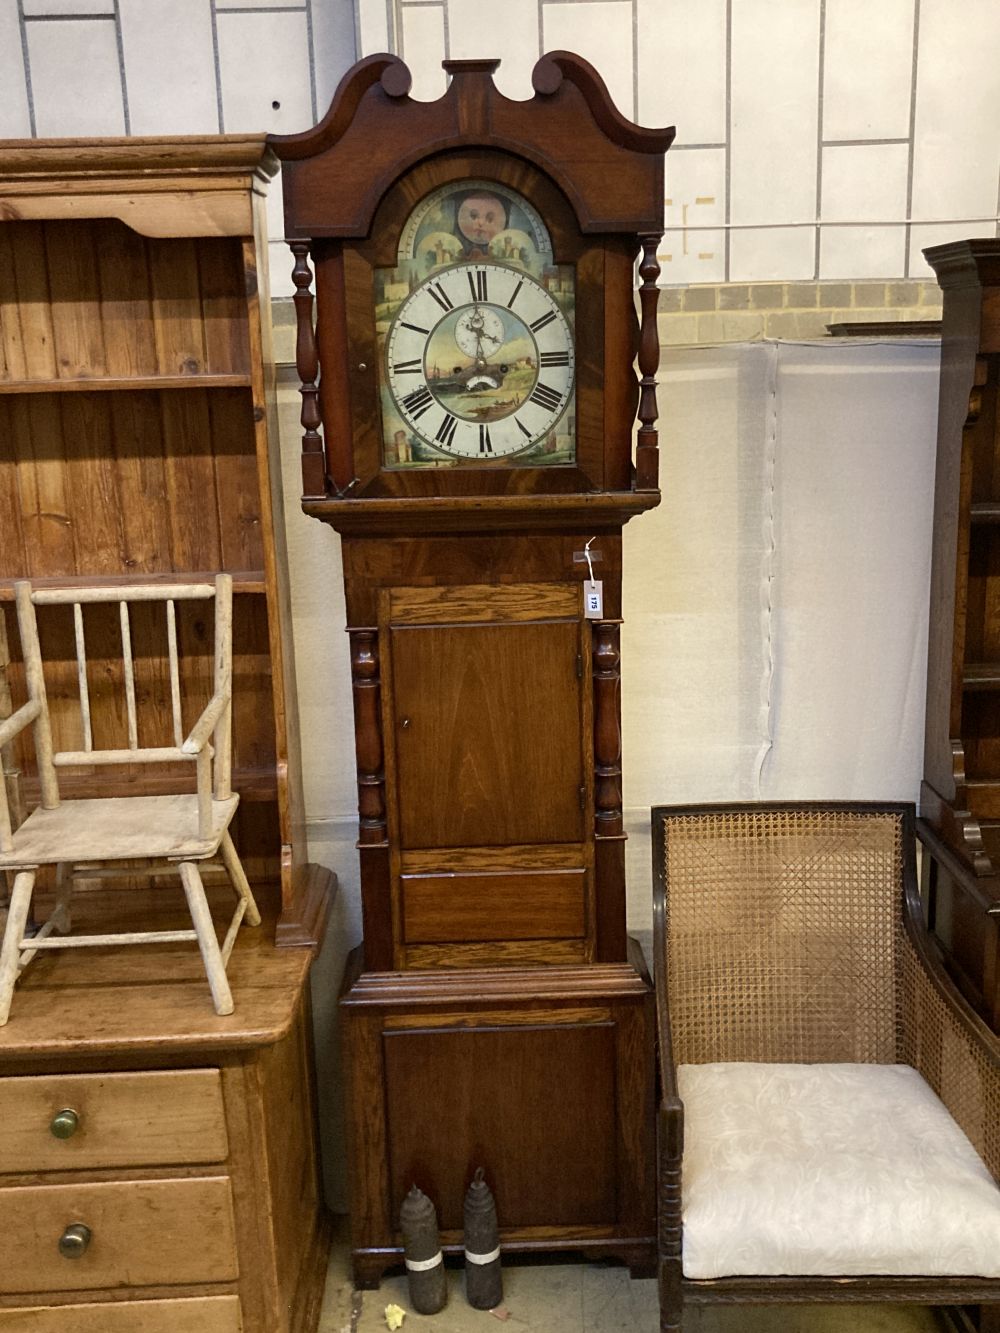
(202, 1314)
(88, 1121)
(142, 1233)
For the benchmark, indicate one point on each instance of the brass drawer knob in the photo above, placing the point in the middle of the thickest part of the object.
(65, 1123)
(74, 1241)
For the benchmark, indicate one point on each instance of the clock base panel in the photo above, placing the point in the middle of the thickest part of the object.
(542, 1076)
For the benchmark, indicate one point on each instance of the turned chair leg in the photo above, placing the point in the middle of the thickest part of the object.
(208, 941)
(239, 880)
(62, 913)
(10, 952)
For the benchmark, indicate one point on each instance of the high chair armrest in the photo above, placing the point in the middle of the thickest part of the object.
(16, 723)
(206, 724)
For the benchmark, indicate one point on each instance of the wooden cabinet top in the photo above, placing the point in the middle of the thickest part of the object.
(187, 185)
(152, 1003)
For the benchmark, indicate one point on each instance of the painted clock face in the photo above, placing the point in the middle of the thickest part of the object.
(479, 362)
(476, 343)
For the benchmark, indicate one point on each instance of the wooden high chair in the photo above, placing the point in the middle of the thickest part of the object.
(176, 833)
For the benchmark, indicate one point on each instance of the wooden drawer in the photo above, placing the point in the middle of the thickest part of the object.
(204, 1314)
(144, 1233)
(519, 905)
(149, 1119)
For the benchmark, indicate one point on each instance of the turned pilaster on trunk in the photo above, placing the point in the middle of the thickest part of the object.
(647, 453)
(368, 735)
(607, 730)
(307, 364)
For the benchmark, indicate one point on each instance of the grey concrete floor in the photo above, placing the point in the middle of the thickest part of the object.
(587, 1298)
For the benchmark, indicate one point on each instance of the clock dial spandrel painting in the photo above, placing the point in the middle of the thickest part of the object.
(475, 328)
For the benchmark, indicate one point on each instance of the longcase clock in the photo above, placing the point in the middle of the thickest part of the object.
(472, 371)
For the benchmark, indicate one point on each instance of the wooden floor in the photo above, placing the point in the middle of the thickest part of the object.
(588, 1298)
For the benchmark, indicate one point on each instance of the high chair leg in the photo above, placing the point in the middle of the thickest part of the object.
(10, 952)
(238, 876)
(208, 941)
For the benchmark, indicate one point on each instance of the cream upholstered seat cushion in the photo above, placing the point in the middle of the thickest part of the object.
(833, 1170)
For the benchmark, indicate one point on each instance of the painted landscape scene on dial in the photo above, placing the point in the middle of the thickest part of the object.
(480, 361)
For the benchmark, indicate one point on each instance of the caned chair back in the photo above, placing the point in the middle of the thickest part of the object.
(783, 931)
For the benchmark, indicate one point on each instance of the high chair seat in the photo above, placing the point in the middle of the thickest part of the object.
(128, 828)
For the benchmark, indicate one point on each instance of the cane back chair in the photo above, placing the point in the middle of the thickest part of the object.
(83, 838)
(829, 1124)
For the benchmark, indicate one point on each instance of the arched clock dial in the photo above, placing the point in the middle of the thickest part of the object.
(479, 362)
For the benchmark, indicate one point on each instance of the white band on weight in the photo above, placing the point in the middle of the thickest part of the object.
(423, 1265)
(482, 1258)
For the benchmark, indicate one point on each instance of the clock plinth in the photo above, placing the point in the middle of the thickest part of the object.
(470, 394)
(542, 1076)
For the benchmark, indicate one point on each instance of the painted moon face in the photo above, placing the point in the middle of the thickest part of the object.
(480, 217)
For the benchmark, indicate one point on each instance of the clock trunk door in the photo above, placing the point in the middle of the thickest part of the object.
(488, 733)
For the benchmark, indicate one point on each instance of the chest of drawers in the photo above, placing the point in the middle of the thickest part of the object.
(158, 1168)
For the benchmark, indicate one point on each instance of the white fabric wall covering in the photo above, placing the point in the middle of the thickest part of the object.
(854, 491)
(776, 603)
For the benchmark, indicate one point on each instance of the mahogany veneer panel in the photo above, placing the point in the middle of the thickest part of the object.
(503, 1084)
(466, 775)
(529, 905)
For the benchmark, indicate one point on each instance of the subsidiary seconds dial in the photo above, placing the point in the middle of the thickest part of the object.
(479, 362)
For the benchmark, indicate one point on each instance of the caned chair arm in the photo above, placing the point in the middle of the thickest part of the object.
(16, 723)
(670, 1127)
(206, 724)
(959, 1010)
(664, 1044)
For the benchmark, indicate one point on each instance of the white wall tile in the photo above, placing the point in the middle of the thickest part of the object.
(774, 103)
(75, 78)
(601, 32)
(15, 121)
(867, 69)
(862, 252)
(422, 47)
(865, 182)
(515, 41)
(260, 4)
(957, 145)
(34, 7)
(170, 67)
(772, 254)
(374, 26)
(682, 67)
(335, 47)
(696, 198)
(264, 58)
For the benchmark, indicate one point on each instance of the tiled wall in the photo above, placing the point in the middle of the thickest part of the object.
(878, 120)
(817, 139)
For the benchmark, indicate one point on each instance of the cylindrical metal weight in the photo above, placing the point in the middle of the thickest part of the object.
(422, 1253)
(483, 1279)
